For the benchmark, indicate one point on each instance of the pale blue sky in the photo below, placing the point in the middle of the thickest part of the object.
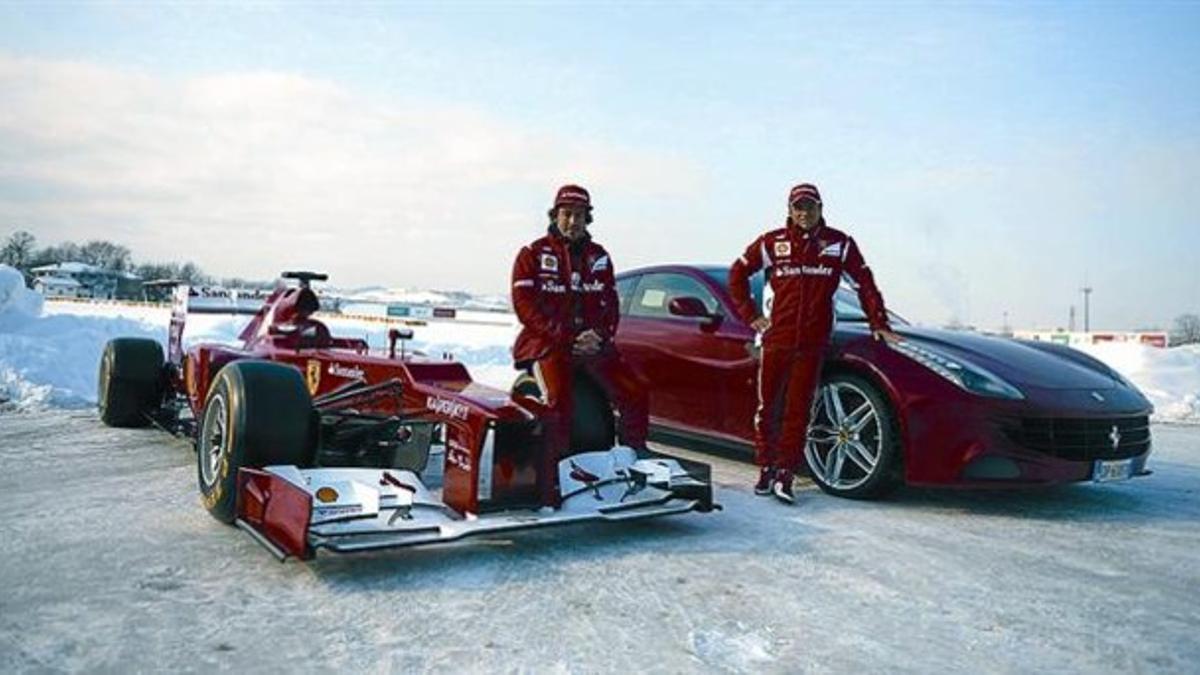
(988, 157)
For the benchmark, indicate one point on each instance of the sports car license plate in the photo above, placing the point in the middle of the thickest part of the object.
(1113, 469)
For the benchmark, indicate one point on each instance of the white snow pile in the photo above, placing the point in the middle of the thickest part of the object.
(51, 360)
(49, 356)
(385, 296)
(17, 303)
(1170, 378)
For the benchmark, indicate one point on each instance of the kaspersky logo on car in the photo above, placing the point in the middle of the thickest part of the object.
(447, 407)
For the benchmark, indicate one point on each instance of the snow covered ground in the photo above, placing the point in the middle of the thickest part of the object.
(111, 565)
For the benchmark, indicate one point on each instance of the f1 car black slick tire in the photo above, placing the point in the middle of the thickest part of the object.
(862, 428)
(129, 385)
(257, 413)
(592, 424)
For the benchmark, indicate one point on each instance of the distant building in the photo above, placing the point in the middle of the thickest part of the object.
(1148, 338)
(54, 281)
(57, 287)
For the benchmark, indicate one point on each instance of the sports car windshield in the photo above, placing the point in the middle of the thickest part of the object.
(846, 304)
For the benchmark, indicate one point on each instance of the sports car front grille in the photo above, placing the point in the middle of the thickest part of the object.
(1081, 439)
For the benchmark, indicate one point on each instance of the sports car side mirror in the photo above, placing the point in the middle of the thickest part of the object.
(687, 306)
(692, 307)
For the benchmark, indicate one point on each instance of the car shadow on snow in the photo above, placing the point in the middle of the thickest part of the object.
(1172, 493)
(485, 561)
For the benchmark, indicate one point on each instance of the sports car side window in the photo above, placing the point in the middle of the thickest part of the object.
(625, 288)
(656, 291)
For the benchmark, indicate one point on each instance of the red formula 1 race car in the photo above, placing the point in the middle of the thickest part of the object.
(310, 441)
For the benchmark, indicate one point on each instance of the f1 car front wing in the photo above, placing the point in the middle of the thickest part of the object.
(295, 512)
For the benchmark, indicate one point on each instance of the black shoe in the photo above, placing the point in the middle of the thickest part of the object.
(782, 487)
(763, 487)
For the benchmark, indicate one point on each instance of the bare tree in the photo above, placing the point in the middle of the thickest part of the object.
(106, 255)
(192, 274)
(18, 250)
(64, 252)
(1186, 330)
(188, 273)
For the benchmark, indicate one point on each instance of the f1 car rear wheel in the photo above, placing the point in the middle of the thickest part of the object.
(129, 386)
(592, 424)
(853, 447)
(257, 414)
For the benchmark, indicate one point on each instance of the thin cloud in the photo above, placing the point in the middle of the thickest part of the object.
(249, 172)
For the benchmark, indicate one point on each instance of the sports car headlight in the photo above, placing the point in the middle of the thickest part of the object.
(968, 376)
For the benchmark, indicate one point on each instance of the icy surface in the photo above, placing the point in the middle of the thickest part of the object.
(112, 565)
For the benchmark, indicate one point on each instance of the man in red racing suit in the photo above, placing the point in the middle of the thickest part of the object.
(565, 297)
(804, 263)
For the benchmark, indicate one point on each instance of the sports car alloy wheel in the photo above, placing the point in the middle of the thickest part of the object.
(846, 440)
(213, 439)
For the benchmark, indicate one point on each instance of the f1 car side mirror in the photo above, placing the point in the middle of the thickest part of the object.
(395, 335)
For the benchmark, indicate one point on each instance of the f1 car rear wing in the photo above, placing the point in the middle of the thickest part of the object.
(186, 300)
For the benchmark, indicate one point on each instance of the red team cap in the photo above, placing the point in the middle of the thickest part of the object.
(804, 191)
(572, 195)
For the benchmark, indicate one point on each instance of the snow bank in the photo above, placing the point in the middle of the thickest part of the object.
(1170, 378)
(17, 303)
(50, 360)
(48, 356)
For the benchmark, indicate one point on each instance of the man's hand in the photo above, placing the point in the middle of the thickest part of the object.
(587, 343)
(885, 335)
(761, 324)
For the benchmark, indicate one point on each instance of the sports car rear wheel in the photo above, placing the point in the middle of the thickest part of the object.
(257, 414)
(129, 386)
(852, 449)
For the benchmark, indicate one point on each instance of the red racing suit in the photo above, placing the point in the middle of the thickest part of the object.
(560, 290)
(803, 270)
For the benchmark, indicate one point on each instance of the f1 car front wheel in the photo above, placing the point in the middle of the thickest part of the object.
(257, 414)
(129, 382)
(853, 448)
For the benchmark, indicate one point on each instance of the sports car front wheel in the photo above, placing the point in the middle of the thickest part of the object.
(853, 448)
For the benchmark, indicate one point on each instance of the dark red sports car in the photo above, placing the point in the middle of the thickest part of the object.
(938, 408)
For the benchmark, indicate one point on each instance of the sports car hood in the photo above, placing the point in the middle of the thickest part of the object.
(1016, 362)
